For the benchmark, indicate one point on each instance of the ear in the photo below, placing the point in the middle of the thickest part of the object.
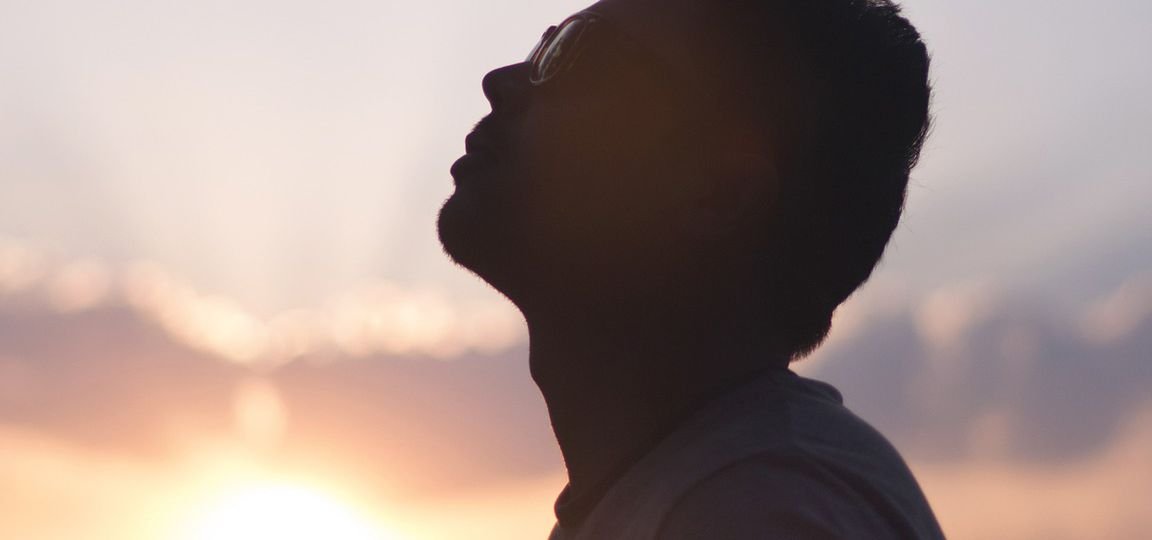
(740, 192)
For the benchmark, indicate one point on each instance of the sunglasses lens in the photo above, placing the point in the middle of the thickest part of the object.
(556, 50)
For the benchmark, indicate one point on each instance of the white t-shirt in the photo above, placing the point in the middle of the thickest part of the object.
(778, 457)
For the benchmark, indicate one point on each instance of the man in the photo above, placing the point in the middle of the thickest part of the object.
(677, 194)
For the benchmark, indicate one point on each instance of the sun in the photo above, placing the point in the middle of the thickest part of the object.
(282, 512)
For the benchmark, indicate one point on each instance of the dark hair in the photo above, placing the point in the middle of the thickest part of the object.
(846, 94)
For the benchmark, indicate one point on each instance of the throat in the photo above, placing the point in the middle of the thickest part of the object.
(617, 385)
(611, 403)
(603, 432)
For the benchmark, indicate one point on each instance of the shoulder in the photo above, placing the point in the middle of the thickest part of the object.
(769, 497)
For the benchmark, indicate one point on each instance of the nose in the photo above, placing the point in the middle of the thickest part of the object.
(507, 87)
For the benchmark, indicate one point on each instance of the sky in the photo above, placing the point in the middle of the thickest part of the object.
(278, 152)
(228, 208)
(275, 152)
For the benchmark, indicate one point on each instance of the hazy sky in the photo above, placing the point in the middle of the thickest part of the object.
(293, 155)
(283, 152)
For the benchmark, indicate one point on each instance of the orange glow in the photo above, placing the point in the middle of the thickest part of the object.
(282, 511)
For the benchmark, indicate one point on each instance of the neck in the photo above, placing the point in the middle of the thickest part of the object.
(616, 384)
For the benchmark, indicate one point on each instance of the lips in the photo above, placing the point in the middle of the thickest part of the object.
(479, 153)
(466, 166)
(478, 143)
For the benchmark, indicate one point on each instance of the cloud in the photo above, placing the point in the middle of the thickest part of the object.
(972, 370)
(120, 384)
(945, 317)
(379, 317)
(1114, 317)
(991, 396)
(1103, 496)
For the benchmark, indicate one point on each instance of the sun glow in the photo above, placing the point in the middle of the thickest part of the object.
(283, 512)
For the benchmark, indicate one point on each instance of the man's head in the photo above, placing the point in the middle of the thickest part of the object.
(717, 156)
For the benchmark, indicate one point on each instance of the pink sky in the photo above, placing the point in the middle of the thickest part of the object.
(228, 210)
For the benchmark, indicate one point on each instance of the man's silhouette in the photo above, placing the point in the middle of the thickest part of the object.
(677, 194)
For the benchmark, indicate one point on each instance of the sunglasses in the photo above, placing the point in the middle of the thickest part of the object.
(560, 46)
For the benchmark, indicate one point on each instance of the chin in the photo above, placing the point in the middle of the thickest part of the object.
(474, 240)
(467, 234)
(453, 229)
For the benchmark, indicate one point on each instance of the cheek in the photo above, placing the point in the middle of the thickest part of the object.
(575, 192)
(595, 180)
(578, 160)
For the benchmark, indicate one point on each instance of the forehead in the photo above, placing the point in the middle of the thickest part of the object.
(654, 13)
(689, 34)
